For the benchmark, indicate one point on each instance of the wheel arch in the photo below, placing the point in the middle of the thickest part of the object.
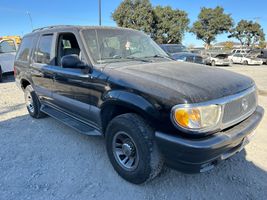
(121, 102)
(24, 83)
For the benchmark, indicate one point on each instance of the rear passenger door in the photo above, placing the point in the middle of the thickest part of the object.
(42, 76)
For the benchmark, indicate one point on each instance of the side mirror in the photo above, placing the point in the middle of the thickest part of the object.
(73, 61)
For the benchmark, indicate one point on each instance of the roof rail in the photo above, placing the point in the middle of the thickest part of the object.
(50, 27)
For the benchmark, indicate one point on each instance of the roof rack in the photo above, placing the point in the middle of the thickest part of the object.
(50, 27)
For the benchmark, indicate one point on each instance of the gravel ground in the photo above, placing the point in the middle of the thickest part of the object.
(44, 159)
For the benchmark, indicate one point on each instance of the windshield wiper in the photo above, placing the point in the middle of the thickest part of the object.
(137, 59)
(160, 56)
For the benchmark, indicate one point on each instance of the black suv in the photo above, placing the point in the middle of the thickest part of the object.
(118, 83)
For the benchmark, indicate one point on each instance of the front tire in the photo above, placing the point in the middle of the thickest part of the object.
(32, 103)
(132, 149)
(213, 63)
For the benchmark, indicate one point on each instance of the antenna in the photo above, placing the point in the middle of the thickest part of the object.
(99, 10)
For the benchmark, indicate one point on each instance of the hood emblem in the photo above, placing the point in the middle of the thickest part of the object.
(244, 104)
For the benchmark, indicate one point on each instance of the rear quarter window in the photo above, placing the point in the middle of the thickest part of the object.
(24, 51)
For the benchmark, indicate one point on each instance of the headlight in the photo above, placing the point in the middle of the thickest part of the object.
(197, 118)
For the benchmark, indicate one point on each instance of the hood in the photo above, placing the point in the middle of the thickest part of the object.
(177, 82)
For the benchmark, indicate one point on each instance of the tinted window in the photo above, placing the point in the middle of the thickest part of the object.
(7, 46)
(24, 50)
(43, 52)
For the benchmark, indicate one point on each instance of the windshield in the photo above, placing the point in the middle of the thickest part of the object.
(116, 45)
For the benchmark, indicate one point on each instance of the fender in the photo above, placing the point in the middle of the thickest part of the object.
(133, 101)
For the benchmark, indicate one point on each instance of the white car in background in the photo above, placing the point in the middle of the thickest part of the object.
(217, 59)
(8, 49)
(241, 51)
(245, 59)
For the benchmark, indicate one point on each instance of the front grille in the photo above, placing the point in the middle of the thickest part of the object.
(239, 109)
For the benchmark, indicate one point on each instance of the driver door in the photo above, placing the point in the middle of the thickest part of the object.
(70, 85)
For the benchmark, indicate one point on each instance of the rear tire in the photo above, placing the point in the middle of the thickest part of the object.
(32, 103)
(132, 150)
(245, 62)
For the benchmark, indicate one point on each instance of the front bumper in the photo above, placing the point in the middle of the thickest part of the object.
(199, 155)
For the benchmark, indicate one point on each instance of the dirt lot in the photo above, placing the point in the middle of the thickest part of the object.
(44, 159)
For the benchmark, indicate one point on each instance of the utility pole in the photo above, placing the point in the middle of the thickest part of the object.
(99, 10)
(30, 17)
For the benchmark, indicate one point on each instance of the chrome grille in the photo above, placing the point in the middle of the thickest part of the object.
(237, 110)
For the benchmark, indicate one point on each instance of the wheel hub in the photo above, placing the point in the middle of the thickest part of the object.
(128, 149)
(125, 151)
(29, 102)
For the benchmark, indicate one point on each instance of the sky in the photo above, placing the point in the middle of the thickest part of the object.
(14, 19)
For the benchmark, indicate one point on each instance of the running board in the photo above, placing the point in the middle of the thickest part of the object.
(70, 121)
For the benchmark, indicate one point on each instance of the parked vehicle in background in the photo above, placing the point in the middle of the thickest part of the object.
(16, 38)
(180, 53)
(263, 56)
(245, 59)
(119, 84)
(173, 48)
(188, 57)
(240, 51)
(217, 59)
(8, 49)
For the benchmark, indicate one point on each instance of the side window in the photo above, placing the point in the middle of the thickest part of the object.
(7, 46)
(43, 51)
(23, 53)
(67, 44)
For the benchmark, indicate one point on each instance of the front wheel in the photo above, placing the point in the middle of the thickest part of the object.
(32, 103)
(132, 150)
(213, 63)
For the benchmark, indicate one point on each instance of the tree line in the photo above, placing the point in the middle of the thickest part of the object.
(168, 25)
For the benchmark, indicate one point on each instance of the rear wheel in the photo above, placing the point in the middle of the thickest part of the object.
(32, 103)
(132, 149)
(245, 62)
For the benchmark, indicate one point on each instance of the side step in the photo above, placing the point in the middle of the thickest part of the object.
(70, 121)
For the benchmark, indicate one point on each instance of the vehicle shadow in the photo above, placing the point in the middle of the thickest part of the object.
(11, 108)
(52, 160)
(235, 178)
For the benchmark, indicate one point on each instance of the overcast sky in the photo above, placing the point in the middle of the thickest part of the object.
(15, 21)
